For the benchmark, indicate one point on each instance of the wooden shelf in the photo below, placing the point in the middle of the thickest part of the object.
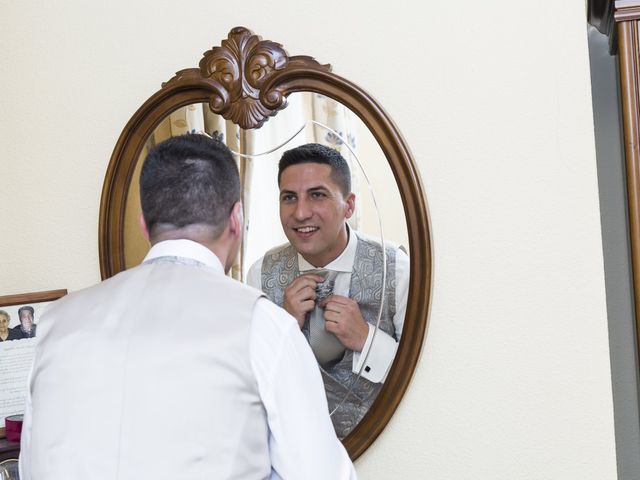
(8, 449)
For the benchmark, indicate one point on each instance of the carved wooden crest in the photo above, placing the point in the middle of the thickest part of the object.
(239, 69)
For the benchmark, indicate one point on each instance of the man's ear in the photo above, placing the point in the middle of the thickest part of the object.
(143, 226)
(351, 205)
(236, 219)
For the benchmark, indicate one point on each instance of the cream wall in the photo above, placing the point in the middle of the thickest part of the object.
(494, 100)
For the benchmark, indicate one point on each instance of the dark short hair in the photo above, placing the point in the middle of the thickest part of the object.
(187, 180)
(26, 308)
(316, 153)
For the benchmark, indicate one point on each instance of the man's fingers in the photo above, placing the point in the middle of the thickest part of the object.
(339, 299)
(331, 327)
(307, 305)
(303, 290)
(303, 281)
(337, 303)
(307, 293)
(330, 306)
(305, 297)
(331, 317)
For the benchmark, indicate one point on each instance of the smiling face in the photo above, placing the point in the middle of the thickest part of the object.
(313, 212)
(26, 319)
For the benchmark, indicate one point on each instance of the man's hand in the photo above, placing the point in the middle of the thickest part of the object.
(300, 296)
(343, 319)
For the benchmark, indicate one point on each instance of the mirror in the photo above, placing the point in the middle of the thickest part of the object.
(219, 96)
(308, 118)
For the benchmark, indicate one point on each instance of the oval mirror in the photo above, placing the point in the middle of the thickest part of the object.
(223, 99)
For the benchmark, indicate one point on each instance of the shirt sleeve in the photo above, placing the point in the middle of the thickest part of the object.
(379, 350)
(302, 441)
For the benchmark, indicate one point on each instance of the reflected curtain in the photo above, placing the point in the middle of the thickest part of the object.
(258, 175)
(340, 119)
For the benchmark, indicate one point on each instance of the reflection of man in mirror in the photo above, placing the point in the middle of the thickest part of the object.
(26, 328)
(118, 391)
(329, 277)
(6, 333)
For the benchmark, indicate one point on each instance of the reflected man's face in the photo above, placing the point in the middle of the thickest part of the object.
(313, 212)
(26, 319)
(4, 324)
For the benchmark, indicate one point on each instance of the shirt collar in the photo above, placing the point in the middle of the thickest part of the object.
(186, 249)
(342, 263)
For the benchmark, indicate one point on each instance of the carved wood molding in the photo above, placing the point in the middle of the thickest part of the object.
(629, 44)
(606, 15)
(603, 14)
(34, 297)
(626, 10)
(236, 73)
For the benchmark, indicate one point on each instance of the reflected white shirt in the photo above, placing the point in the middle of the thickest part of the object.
(379, 354)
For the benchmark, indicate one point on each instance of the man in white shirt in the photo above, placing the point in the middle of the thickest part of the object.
(336, 282)
(172, 369)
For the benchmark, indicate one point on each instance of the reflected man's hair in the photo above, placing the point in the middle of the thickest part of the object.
(26, 308)
(5, 314)
(189, 180)
(316, 153)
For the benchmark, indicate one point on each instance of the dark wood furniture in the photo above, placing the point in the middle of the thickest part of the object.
(620, 21)
(12, 449)
(8, 450)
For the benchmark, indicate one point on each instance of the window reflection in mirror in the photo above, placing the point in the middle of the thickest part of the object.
(350, 390)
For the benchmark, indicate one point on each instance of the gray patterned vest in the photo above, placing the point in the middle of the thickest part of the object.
(349, 395)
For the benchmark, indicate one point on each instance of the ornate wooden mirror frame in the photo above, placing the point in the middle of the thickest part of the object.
(247, 80)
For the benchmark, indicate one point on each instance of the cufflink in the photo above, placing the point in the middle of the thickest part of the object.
(367, 369)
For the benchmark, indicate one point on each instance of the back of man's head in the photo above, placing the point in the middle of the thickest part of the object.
(188, 180)
(316, 153)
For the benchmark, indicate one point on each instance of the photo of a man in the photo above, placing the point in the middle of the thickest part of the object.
(27, 327)
(329, 277)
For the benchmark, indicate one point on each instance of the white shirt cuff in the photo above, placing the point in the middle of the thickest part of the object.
(381, 352)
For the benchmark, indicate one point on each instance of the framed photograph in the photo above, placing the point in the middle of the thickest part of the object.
(19, 316)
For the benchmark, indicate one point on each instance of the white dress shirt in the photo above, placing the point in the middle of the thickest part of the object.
(301, 446)
(379, 350)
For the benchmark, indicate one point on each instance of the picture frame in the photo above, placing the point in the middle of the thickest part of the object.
(19, 353)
